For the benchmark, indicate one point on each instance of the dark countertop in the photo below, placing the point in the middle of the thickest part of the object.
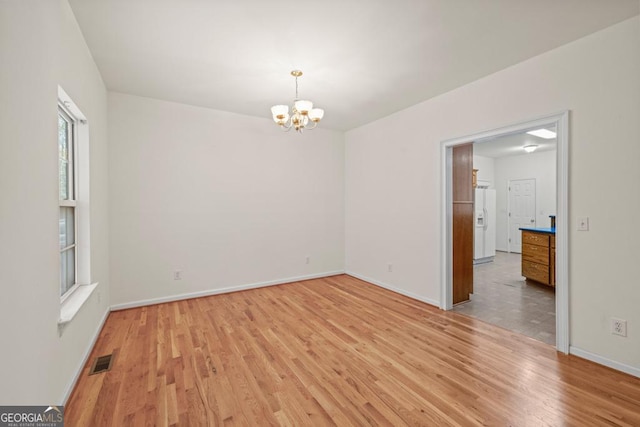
(546, 230)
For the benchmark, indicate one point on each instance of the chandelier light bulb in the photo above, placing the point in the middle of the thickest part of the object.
(316, 114)
(303, 106)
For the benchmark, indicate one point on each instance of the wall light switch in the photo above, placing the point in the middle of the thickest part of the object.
(583, 224)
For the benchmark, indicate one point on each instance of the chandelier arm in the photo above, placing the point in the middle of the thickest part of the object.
(315, 125)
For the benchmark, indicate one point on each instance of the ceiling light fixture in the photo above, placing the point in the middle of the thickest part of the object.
(543, 133)
(302, 112)
(530, 148)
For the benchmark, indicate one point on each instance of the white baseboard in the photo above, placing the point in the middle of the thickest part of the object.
(631, 370)
(394, 289)
(87, 353)
(178, 297)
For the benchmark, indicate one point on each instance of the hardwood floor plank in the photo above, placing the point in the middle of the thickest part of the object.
(336, 351)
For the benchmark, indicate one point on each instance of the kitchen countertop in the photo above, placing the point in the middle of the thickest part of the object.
(546, 230)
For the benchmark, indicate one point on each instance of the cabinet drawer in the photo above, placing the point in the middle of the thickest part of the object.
(534, 253)
(535, 271)
(535, 238)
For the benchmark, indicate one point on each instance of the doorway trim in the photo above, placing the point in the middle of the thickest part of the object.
(561, 121)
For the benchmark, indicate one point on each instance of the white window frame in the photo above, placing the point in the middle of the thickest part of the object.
(72, 192)
(79, 294)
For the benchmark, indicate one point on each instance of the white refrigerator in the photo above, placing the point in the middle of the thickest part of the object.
(485, 226)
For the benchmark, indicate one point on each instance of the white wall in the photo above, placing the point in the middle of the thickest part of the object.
(229, 200)
(539, 166)
(393, 179)
(41, 47)
(486, 169)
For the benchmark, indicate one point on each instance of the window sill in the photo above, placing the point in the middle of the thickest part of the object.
(72, 305)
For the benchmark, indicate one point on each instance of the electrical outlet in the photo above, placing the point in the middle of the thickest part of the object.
(177, 275)
(307, 259)
(390, 268)
(618, 327)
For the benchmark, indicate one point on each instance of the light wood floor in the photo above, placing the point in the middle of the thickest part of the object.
(336, 351)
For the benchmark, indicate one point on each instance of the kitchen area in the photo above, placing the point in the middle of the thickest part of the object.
(514, 235)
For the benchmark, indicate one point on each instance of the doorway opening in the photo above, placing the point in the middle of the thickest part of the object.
(508, 250)
(514, 190)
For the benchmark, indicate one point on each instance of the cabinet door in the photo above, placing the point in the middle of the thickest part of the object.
(462, 251)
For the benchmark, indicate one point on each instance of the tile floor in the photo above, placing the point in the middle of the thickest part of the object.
(504, 298)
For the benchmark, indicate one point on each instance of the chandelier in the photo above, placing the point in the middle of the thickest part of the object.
(303, 115)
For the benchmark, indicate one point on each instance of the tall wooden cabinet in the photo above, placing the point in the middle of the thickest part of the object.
(462, 169)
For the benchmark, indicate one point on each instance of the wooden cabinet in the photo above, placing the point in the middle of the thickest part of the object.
(538, 256)
(552, 262)
(462, 183)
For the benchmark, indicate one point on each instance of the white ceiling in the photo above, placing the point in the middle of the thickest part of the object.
(512, 145)
(362, 59)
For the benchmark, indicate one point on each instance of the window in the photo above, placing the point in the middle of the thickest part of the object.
(74, 227)
(67, 186)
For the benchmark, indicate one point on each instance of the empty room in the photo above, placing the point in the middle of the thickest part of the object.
(265, 213)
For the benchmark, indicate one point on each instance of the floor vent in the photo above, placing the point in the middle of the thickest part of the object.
(101, 364)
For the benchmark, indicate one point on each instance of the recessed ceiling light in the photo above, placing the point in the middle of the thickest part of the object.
(530, 148)
(543, 133)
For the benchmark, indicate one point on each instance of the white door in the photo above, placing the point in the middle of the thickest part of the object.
(522, 210)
